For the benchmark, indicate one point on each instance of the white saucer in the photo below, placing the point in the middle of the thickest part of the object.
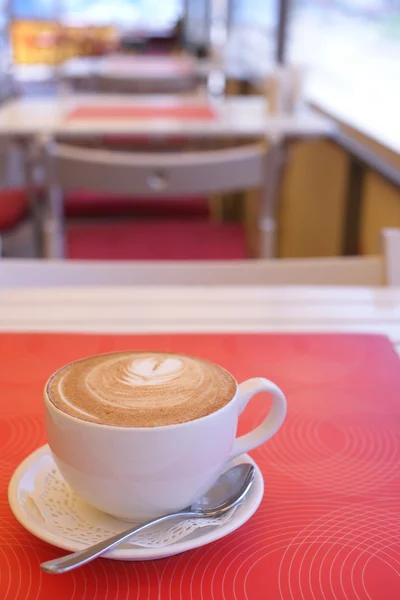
(23, 483)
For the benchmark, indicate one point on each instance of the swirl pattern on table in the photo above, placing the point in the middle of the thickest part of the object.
(334, 555)
(350, 456)
(328, 526)
(142, 389)
(18, 437)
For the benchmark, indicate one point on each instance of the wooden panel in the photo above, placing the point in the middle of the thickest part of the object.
(312, 202)
(381, 208)
(384, 153)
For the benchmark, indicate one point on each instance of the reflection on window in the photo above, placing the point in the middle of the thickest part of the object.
(260, 13)
(130, 13)
(5, 55)
(197, 22)
(252, 35)
(33, 9)
(352, 51)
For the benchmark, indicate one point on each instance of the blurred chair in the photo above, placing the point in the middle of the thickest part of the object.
(87, 204)
(180, 174)
(342, 271)
(19, 231)
(14, 210)
(118, 84)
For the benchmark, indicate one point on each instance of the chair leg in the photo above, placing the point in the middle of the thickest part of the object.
(37, 222)
(251, 206)
(54, 242)
(276, 160)
(30, 162)
(267, 237)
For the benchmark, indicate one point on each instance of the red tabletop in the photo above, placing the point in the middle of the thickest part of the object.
(329, 524)
(168, 111)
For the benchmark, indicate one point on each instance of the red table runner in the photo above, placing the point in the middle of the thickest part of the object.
(201, 112)
(329, 524)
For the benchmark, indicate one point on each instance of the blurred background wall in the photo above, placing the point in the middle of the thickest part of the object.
(350, 51)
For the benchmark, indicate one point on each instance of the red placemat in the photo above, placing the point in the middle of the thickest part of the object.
(201, 112)
(329, 524)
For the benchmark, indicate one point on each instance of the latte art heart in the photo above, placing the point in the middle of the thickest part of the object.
(142, 389)
(152, 371)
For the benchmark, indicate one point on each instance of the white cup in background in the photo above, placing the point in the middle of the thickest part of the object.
(284, 88)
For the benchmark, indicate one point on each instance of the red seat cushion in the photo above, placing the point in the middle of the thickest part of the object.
(14, 207)
(85, 204)
(183, 239)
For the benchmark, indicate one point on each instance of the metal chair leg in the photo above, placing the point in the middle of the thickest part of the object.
(53, 227)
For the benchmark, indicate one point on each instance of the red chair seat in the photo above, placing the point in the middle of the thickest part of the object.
(14, 207)
(85, 204)
(180, 239)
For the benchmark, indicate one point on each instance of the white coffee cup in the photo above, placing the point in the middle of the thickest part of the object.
(140, 473)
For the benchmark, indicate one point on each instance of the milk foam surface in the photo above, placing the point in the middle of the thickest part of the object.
(141, 389)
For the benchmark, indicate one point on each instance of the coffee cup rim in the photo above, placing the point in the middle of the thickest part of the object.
(52, 406)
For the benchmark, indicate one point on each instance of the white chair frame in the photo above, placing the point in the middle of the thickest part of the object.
(148, 174)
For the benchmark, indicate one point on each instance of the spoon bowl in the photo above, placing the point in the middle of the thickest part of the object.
(227, 492)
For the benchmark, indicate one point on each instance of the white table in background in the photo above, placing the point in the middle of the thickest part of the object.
(235, 117)
(152, 309)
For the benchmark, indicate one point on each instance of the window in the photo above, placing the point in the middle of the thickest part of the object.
(5, 58)
(36, 33)
(197, 22)
(120, 12)
(33, 9)
(352, 52)
(252, 35)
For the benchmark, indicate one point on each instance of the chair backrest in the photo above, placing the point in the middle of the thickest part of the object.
(330, 271)
(163, 174)
(118, 84)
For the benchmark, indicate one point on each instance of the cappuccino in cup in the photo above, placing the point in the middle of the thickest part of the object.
(141, 434)
(141, 389)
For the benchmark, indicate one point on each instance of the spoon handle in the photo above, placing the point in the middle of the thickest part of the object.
(77, 559)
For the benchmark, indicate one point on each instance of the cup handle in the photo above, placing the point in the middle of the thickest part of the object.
(272, 421)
